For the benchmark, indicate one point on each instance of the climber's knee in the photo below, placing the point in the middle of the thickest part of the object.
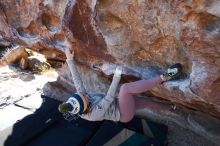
(124, 88)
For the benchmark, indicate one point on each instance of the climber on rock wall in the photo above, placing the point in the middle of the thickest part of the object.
(97, 107)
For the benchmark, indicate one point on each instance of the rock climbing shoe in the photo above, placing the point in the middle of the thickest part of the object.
(172, 72)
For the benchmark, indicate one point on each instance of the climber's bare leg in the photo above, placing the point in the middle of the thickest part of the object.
(128, 103)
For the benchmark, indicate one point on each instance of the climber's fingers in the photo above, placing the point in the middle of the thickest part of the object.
(118, 71)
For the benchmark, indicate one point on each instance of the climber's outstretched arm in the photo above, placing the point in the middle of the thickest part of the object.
(74, 72)
(114, 85)
(109, 98)
(99, 110)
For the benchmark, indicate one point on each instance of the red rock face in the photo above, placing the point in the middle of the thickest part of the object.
(142, 35)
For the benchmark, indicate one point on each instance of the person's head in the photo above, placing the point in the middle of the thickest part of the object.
(75, 104)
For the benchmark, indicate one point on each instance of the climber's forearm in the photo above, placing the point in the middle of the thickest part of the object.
(114, 85)
(75, 76)
(74, 72)
(105, 102)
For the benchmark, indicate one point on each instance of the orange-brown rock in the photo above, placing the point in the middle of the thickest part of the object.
(144, 36)
(14, 56)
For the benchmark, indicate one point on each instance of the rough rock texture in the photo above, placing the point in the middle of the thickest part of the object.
(14, 56)
(144, 36)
